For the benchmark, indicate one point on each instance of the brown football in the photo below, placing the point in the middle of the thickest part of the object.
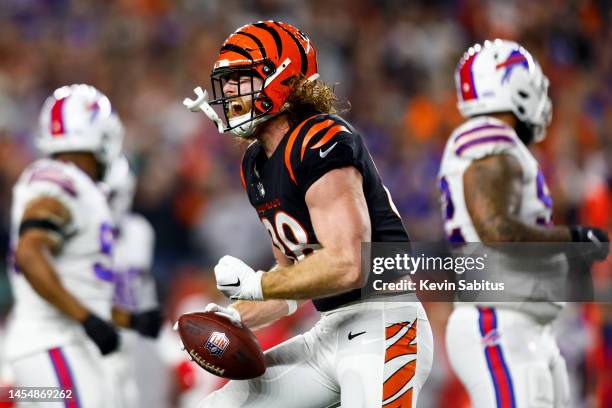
(220, 347)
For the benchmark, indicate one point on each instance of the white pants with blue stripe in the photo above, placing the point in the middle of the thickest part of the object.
(76, 367)
(505, 359)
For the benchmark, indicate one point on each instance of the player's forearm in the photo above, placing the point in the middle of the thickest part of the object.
(510, 229)
(257, 314)
(322, 274)
(39, 272)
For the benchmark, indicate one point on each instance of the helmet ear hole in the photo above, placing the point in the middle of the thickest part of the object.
(523, 94)
(268, 68)
(521, 109)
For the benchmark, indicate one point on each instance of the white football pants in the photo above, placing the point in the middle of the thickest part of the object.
(505, 359)
(375, 354)
(77, 367)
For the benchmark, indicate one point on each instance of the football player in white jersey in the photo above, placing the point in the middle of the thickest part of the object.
(62, 238)
(135, 299)
(493, 191)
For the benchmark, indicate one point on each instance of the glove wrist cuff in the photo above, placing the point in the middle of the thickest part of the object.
(236, 312)
(132, 320)
(257, 287)
(292, 306)
(89, 320)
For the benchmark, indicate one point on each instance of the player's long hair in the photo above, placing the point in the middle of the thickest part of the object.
(309, 97)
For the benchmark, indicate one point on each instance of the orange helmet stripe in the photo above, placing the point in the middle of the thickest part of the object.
(246, 45)
(275, 51)
(303, 57)
(257, 41)
(236, 49)
(275, 35)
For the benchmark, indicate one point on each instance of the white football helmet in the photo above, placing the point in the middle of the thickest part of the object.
(120, 183)
(79, 118)
(501, 76)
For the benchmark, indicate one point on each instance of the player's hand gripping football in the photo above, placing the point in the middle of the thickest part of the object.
(238, 280)
(231, 313)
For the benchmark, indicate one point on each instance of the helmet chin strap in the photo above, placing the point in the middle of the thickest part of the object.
(542, 118)
(248, 127)
(201, 104)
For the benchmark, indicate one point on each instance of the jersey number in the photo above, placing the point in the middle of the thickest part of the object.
(544, 197)
(107, 238)
(288, 235)
(448, 208)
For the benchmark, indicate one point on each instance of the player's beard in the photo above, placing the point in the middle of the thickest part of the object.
(239, 106)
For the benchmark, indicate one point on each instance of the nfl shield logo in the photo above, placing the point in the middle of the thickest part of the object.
(217, 343)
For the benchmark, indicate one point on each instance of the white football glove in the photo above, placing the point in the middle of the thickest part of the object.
(232, 314)
(238, 280)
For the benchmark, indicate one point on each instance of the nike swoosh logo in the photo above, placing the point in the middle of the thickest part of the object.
(351, 336)
(324, 153)
(233, 284)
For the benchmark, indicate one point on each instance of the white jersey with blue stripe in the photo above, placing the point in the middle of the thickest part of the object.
(475, 139)
(132, 261)
(83, 263)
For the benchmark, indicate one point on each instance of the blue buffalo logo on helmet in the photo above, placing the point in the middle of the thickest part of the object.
(217, 343)
(516, 58)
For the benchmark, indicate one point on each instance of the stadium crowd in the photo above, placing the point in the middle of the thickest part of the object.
(392, 64)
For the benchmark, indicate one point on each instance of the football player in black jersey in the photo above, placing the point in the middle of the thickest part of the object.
(311, 179)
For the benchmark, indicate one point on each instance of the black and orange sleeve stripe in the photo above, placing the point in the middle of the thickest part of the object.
(297, 133)
(316, 130)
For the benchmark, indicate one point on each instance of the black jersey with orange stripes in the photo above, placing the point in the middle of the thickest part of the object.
(277, 186)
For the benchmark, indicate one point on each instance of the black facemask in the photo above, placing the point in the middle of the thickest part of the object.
(524, 131)
(101, 170)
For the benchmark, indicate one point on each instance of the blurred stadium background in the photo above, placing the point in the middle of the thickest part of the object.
(393, 60)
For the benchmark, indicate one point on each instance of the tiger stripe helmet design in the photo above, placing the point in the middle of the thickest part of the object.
(274, 51)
